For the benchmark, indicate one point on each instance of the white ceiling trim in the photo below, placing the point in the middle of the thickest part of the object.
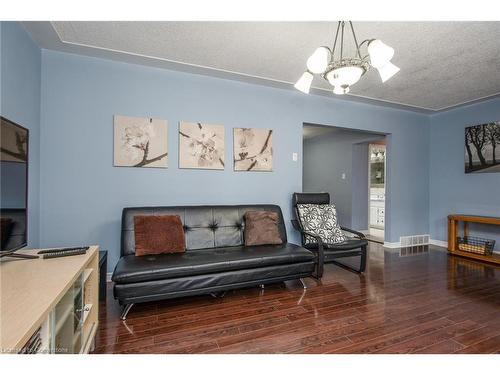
(409, 106)
(164, 59)
(231, 74)
(175, 61)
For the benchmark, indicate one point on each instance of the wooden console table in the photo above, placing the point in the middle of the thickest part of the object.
(453, 229)
(54, 300)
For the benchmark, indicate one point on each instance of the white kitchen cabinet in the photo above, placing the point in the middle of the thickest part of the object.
(377, 215)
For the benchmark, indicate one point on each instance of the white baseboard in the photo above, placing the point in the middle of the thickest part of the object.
(392, 245)
(439, 243)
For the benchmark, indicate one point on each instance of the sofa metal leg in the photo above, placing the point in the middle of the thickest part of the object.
(261, 286)
(125, 311)
(218, 294)
(303, 283)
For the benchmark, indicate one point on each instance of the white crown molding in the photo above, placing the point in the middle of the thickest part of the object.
(244, 77)
(46, 36)
(250, 76)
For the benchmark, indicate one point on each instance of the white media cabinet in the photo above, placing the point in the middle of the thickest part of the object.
(55, 299)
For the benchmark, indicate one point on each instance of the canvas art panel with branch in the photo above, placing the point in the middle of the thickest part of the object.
(140, 142)
(201, 146)
(481, 143)
(253, 149)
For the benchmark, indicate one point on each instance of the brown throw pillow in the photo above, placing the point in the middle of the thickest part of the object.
(158, 234)
(261, 228)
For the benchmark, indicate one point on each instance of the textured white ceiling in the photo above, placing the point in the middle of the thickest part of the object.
(443, 64)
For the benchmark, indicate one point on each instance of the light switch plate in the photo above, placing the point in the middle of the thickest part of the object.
(295, 156)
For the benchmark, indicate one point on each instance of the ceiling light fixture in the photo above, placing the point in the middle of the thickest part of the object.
(342, 72)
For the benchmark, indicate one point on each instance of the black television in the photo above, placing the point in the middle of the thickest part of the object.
(14, 141)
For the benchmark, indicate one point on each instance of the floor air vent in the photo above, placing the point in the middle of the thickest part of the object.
(408, 241)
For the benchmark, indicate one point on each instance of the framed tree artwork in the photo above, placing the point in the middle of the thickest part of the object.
(253, 149)
(140, 142)
(482, 144)
(201, 146)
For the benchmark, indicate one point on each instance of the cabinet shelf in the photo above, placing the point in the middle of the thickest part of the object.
(495, 258)
(54, 291)
(453, 224)
(87, 344)
(64, 317)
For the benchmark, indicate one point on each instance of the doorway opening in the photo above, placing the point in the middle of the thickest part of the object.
(376, 200)
(349, 164)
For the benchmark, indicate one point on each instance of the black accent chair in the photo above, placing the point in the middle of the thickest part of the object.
(216, 258)
(329, 253)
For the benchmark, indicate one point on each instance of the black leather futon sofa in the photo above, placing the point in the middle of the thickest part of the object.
(216, 259)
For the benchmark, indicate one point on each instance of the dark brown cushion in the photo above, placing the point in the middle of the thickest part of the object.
(158, 234)
(261, 228)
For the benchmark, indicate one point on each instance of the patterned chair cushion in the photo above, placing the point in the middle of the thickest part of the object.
(320, 219)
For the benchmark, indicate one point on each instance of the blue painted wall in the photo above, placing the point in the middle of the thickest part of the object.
(20, 102)
(82, 194)
(451, 190)
(79, 196)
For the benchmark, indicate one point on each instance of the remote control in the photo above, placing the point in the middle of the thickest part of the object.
(62, 249)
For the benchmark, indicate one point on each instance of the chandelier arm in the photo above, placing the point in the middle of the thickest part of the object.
(367, 41)
(335, 42)
(344, 72)
(342, 41)
(355, 39)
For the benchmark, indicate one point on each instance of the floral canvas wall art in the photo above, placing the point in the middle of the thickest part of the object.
(140, 142)
(253, 149)
(201, 146)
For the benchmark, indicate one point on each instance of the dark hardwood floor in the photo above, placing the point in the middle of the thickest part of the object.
(420, 301)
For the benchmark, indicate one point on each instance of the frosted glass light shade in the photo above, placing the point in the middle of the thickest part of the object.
(319, 60)
(380, 53)
(345, 76)
(337, 90)
(304, 82)
(387, 71)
